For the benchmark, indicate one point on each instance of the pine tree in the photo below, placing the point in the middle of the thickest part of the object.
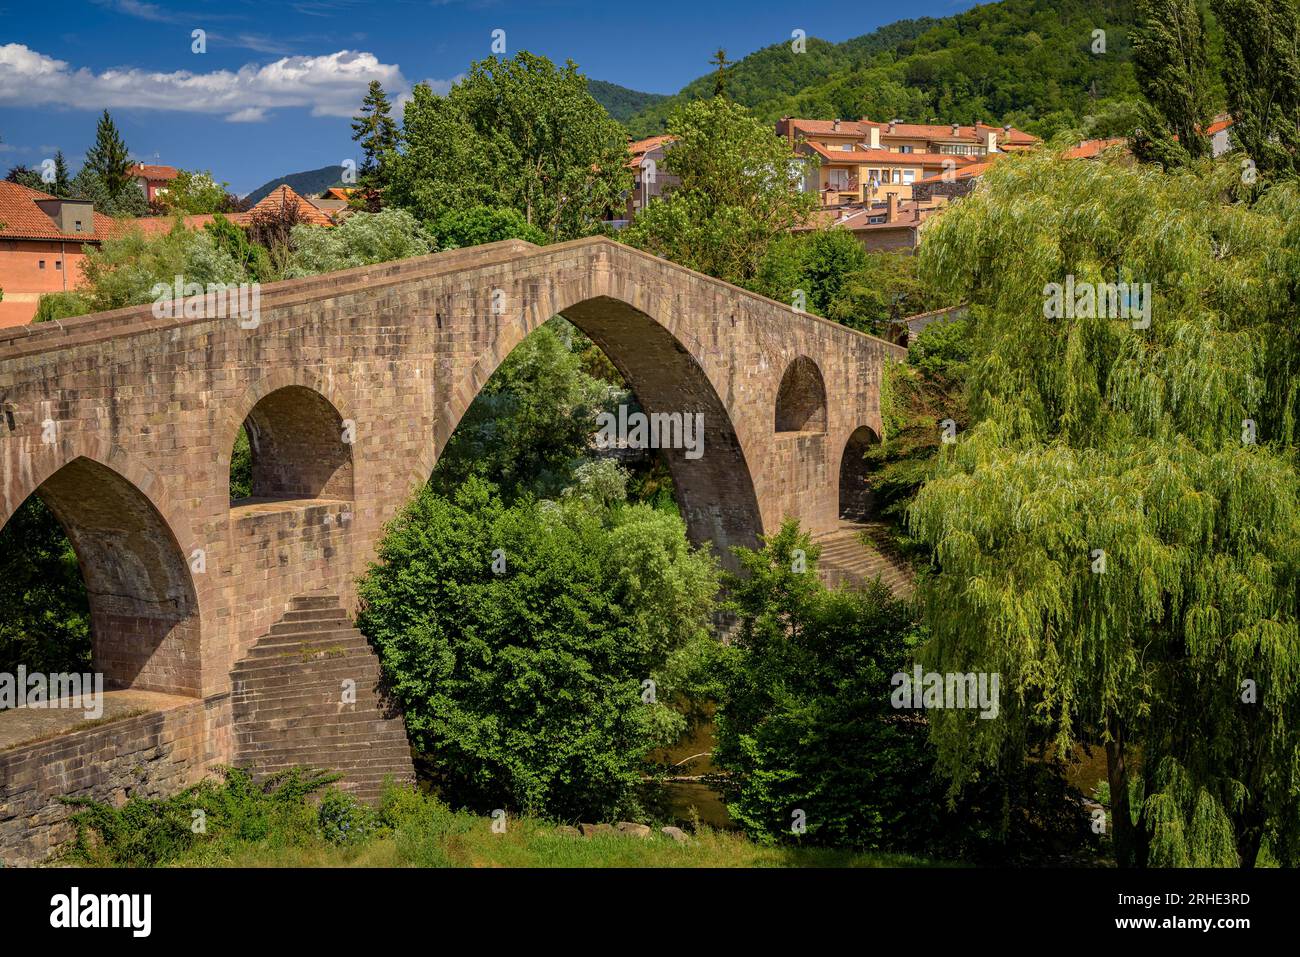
(109, 158)
(720, 74)
(1169, 58)
(60, 174)
(375, 130)
(1261, 70)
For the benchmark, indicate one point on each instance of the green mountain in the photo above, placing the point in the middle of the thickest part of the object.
(619, 101)
(1027, 62)
(307, 183)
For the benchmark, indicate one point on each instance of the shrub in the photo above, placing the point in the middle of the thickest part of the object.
(524, 689)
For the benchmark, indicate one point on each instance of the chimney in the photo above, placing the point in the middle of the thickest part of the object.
(892, 124)
(875, 138)
(891, 207)
(1007, 128)
(991, 138)
(835, 126)
(956, 128)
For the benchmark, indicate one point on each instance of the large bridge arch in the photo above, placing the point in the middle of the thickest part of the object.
(144, 608)
(716, 490)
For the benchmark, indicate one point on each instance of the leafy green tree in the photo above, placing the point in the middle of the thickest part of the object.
(1111, 534)
(805, 723)
(523, 687)
(1261, 70)
(361, 239)
(231, 239)
(740, 190)
(530, 426)
(44, 614)
(109, 158)
(518, 134)
(1172, 66)
(194, 193)
(123, 270)
(459, 228)
(54, 306)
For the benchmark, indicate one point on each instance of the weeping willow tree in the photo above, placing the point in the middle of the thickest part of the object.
(1117, 532)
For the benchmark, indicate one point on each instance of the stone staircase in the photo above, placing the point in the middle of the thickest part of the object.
(289, 707)
(857, 551)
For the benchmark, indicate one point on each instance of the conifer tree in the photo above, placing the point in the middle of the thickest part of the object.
(108, 158)
(376, 131)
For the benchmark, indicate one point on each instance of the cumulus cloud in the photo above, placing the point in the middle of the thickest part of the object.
(328, 85)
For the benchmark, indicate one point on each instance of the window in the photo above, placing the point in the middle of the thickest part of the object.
(909, 175)
(42, 265)
(905, 149)
(58, 264)
(847, 147)
(837, 178)
(78, 229)
(898, 178)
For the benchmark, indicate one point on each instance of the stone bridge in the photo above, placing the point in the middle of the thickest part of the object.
(351, 384)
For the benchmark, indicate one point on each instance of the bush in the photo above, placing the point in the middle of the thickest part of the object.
(54, 306)
(804, 723)
(360, 240)
(483, 224)
(344, 821)
(524, 689)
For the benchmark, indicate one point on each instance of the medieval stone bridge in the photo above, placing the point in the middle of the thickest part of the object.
(351, 384)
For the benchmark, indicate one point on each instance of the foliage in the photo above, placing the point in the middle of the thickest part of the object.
(151, 833)
(252, 828)
(272, 227)
(1261, 70)
(620, 102)
(1169, 55)
(193, 193)
(376, 131)
(241, 467)
(44, 614)
(1103, 536)
(25, 176)
(1027, 62)
(343, 820)
(361, 239)
(518, 134)
(108, 158)
(459, 228)
(804, 723)
(739, 189)
(524, 688)
(252, 259)
(128, 201)
(124, 269)
(53, 306)
(531, 424)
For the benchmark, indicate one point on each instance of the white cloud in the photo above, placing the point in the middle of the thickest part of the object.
(328, 85)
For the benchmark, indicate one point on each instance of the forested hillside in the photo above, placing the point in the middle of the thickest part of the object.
(620, 102)
(1027, 62)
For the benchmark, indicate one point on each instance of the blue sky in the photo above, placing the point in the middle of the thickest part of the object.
(273, 92)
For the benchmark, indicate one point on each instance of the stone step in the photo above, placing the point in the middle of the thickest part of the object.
(283, 628)
(313, 601)
(303, 665)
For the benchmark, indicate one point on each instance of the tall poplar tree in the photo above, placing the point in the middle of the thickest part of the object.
(1118, 533)
(1169, 58)
(1261, 71)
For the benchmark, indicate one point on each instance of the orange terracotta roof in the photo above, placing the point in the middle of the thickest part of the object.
(21, 218)
(924, 131)
(1091, 148)
(153, 172)
(339, 192)
(282, 195)
(1219, 125)
(638, 148)
(965, 172)
(885, 157)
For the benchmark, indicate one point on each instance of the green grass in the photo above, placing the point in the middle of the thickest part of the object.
(281, 825)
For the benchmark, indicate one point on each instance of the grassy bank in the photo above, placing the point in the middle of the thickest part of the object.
(300, 821)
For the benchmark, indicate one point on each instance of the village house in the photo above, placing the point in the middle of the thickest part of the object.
(152, 180)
